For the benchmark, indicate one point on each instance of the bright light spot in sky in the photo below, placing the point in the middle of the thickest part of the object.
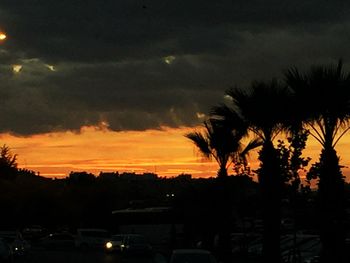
(51, 67)
(16, 68)
(2, 36)
(169, 59)
(200, 115)
(227, 97)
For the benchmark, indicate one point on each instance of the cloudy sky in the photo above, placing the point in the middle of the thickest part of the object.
(133, 66)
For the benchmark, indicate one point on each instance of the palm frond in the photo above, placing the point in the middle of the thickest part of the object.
(253, 144)
(323, 96)
(201, 143)
(264, 106)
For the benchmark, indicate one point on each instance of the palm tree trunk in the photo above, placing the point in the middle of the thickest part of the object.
(331, 207)
(224, 218)
(270, 183)
(222, 172)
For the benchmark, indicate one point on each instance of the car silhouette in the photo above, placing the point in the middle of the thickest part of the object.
(192, 256)
(114, 244)
(135, 244)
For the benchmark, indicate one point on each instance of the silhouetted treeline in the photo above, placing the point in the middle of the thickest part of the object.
(85, 200)
(29, 199)
(82, 199)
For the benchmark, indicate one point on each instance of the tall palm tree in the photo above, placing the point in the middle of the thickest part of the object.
(323, 95)
(221, 141)
(264, 108)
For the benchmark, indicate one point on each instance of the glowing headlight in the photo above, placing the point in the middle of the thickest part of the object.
(109, 245)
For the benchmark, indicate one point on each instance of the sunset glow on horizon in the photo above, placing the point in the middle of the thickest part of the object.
(94, 149)
(141, 71)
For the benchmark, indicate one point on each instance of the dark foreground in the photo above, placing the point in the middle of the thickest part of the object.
(78, 256)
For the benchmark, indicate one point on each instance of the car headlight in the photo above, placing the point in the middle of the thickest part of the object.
(109, 245)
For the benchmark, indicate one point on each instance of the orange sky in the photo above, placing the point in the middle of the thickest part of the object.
(166, 152)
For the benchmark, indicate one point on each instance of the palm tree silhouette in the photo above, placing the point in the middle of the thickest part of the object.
(8, 163)
(223, 143)
(323, 96)
(264, 108)
(221, 140)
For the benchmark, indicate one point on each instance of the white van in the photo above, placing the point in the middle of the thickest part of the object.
(91, 238)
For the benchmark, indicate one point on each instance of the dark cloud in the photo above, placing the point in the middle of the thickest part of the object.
(92, 30)
(139, 64)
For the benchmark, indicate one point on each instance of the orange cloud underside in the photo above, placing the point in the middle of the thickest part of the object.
(166, 152)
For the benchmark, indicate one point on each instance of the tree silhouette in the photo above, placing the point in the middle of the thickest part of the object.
(264, 108)
(8, 163)
(324, 95)
(292, 163)
(223, 143)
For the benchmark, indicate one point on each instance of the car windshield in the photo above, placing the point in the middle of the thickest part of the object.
(95, 234)
(117, 238)
(62, 237)
(137, 240)
(8, 239)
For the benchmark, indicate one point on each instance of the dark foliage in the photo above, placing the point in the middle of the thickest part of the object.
(331, 205)
(324, 95)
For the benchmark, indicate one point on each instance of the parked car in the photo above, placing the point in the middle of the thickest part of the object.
(192, 256)
(34, 232)
(92, 238)
(15, 241)
(114, 244)
(6, 254)
(58, 241)
(135, 244)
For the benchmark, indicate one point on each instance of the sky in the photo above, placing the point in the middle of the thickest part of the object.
(114, 85)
